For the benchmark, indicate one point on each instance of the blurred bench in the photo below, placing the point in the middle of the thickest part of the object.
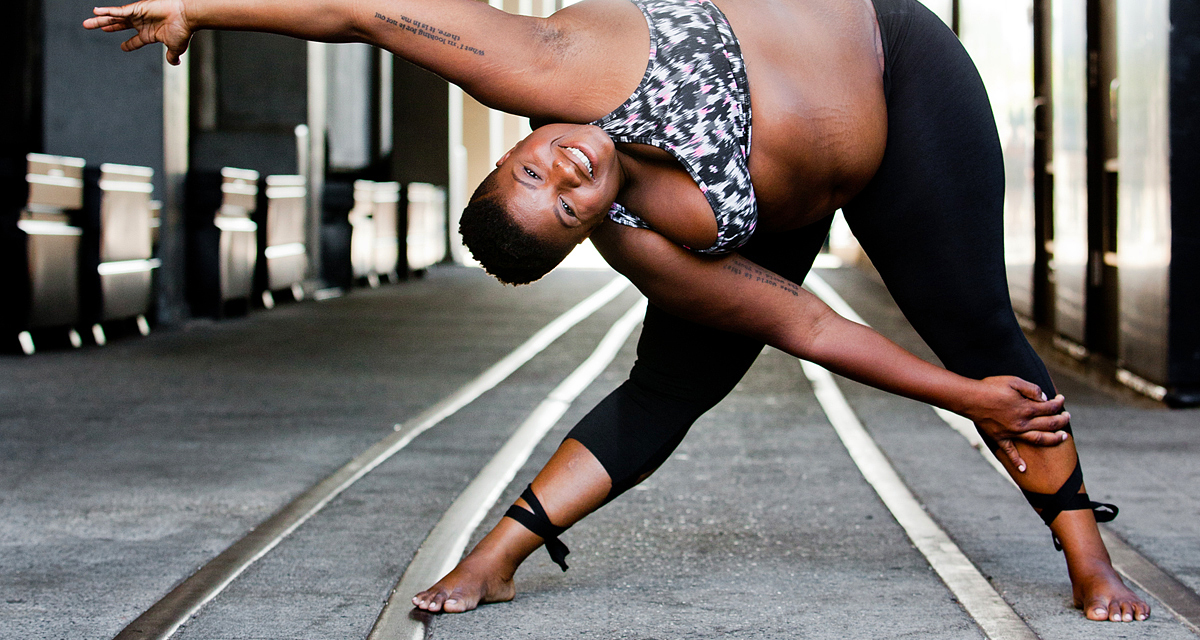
(426, 234)
(283, 253)
(222, 240)
(50, 239)
(376, 221)
(120, 221)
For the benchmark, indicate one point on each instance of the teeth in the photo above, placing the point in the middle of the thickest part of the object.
(582, 158)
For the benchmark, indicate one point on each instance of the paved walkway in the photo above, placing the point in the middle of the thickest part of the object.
(123, 469)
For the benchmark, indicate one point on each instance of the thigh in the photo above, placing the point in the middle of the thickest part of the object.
(683, 369)
(931, 220)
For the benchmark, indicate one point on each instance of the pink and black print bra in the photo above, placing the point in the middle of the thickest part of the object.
(694, 102)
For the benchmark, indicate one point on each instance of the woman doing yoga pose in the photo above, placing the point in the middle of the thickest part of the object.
(871, 107)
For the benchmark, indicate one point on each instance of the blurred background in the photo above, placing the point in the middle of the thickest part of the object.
(135, 194)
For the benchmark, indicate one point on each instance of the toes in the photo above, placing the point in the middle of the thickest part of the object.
(1142, 611)
(1096, 610)
(435, 603)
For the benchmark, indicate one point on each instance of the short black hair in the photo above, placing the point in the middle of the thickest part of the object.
(509, 253)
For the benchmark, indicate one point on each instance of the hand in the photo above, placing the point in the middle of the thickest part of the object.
(162, 21)
(1009, 409)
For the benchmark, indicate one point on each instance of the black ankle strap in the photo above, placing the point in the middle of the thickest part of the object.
(539, 523)
(1068, 498)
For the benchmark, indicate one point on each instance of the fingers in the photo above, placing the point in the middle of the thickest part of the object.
(122, 12)
(107, 23)
(1043, 438)
(1010, 451)
(1050, 407)
(1048, 424)
(1027, 389)
(134, 43)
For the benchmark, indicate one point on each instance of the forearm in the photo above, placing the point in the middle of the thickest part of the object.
(737, 295)
(321, 20)
(495, 56)
(862, 354)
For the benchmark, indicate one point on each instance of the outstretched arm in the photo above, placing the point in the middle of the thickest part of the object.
(518, 64)
(737, 295)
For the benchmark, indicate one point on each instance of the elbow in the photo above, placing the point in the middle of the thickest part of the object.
(356, 27)
(807, 336)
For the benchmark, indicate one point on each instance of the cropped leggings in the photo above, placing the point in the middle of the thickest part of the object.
(931, 221)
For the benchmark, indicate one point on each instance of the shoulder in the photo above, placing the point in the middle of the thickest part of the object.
(597, 50)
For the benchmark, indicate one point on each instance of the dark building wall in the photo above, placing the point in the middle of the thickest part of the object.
(20, 79)
(101, 104)
(1185, 196)
(261, 95)
(422, 126)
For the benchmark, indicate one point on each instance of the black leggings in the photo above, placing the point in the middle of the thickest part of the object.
(931, 221)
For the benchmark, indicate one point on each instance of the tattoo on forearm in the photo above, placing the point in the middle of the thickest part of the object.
(754, 273)
(429, 31)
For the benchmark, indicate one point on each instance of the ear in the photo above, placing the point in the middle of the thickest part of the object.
(504, 158)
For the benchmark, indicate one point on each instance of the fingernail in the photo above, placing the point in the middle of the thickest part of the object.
(1043, 396)
(1021, 468)
(1062, 438)
(1067, 414)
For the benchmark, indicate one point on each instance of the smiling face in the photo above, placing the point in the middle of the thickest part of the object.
(560, 181)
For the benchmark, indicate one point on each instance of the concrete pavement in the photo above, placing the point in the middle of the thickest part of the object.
(125, 468)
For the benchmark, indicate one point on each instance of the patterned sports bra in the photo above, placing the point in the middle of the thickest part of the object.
(694, 102)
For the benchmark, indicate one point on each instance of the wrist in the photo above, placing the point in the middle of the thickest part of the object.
(967, 399)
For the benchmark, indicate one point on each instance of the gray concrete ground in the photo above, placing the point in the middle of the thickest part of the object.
(123, 469)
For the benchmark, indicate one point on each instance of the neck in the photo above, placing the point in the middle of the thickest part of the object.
(631, 169)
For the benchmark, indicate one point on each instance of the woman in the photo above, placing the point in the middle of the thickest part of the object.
(870, 107)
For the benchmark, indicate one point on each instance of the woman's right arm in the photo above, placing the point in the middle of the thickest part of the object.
(734, 294)
(518, 64)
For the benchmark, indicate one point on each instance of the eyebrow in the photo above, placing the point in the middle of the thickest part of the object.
(558, 212)
(527, 185)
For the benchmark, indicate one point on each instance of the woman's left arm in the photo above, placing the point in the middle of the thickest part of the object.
(737, 295)
(514, 63)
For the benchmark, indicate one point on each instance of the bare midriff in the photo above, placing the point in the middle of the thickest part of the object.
(819, 118)
(816, 90)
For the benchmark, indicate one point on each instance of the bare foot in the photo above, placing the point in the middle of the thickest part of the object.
(570, 486)
(1100, 593)
(475, 581)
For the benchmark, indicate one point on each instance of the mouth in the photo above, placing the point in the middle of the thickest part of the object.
(582, 158)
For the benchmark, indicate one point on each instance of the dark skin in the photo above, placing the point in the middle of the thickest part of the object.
(820, 125)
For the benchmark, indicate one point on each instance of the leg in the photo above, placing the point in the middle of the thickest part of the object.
(931, 221)
(683, 370)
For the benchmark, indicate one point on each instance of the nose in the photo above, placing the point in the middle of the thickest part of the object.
(567, 170)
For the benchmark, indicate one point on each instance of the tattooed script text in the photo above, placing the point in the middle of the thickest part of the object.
(429, 31)
(754, 273)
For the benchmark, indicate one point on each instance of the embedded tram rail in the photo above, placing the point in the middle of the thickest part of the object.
(306, 460)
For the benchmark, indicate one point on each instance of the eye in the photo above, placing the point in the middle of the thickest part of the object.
(532, 174)
(567, 208)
